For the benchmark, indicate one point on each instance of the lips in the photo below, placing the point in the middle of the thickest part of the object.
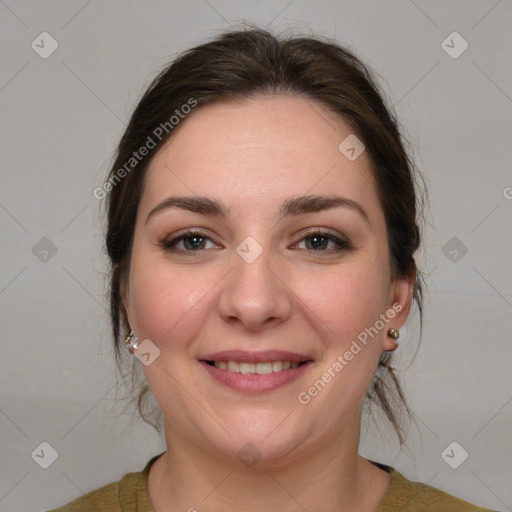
(241, 371)
(255, 357)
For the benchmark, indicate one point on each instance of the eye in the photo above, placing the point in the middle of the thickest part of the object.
(319, 241)
(196, 241)
(192, 241)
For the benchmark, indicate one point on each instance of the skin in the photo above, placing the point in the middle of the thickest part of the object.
(252, 155)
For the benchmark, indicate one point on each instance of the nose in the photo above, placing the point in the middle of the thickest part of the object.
(255, 295)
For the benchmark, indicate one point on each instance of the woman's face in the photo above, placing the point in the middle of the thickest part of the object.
(263, 278)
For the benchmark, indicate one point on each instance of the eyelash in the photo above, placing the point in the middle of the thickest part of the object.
(170, 245)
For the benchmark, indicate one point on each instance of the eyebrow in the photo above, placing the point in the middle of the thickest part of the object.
(291, 206)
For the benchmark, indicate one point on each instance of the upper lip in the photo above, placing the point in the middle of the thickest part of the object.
(255, 357)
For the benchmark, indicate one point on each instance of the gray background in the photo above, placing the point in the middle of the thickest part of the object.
(62, 117)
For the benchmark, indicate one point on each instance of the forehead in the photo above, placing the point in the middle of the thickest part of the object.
(260, 150)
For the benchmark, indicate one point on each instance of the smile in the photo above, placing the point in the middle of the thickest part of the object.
(264, 368)
(255, 372)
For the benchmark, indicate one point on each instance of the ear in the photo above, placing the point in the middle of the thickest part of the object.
(401, 294)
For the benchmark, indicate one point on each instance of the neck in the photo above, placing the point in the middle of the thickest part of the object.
(330, 476)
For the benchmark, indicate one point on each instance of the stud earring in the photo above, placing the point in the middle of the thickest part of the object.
(131, 342)
(393, 333)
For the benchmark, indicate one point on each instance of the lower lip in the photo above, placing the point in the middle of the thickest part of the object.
(255, 383)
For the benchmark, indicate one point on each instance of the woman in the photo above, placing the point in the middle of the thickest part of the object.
(262, 226)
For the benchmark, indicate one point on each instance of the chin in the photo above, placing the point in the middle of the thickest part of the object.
(263, 443)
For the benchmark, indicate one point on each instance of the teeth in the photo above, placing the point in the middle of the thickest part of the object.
(233, 366)
(252, 368)
(246, 368)
(277, 366)
(263, 368)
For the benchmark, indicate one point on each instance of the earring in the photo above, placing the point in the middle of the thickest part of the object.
(131, 342)
(393, 333)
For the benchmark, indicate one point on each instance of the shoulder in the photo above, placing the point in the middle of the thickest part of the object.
(102, 499)
(128, 495)
(408, 496)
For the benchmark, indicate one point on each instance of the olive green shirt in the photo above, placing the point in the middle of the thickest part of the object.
(131, 494)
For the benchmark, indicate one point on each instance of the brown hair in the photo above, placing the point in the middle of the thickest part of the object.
(240, 64)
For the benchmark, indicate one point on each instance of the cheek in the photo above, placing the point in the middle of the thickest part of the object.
(153, 294)
(167, 303)
(345, 301)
